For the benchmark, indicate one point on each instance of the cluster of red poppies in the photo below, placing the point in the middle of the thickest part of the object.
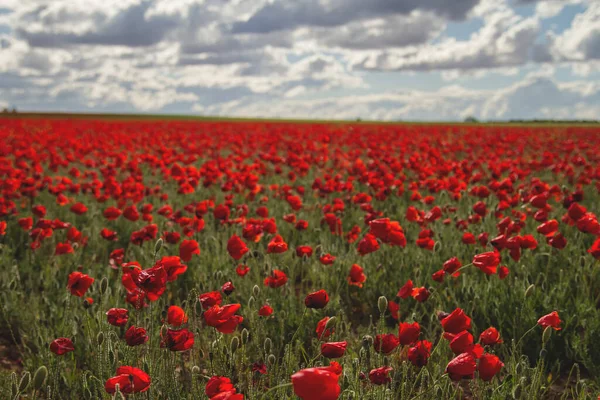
(155, 179)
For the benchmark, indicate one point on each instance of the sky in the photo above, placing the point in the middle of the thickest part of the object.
(408, 60)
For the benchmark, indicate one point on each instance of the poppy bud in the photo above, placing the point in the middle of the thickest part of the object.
(235, 343)
(103, 285)
(14, 389)
(382, 304)
(88, 394)
(195, 370)
(39, 378)
(367, 341)
(546, 335)
(201, 353)
(158, 245)
(25, 380)
(245, 335)
(250, 301)
(529, 290)
(330, 322)
(164, 330)
(267, 345)
(271, 359)
(256, 290)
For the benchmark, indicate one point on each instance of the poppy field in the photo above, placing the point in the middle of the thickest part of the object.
(166, 259)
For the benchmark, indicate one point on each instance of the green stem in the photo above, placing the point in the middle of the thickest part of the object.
(275, 388)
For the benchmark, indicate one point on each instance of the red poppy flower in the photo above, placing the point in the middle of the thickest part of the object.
(130, 380)
(304, 251)
(217, 385)
(265, 311)
(277, 245)
(61, 346)
(172, 237)
(131, 213)
(380, 376)
(408, 333)
(503, 272)
(548, 228)
(420, 294)
(451, 266)
(223, 318)
(316, 384)
(259, 367)
(368, 244)
(242, 270)
(323, 333)
(487, 262)
(276, 279)
(385, 343)
(557, 241)
(177, 340)
(490, 337)
(551, 319)
(172, 266)
(176, 316)
(462, 366)
(456, 322)
(207, 300)
(463, 343)
(595, 249)
(394, 309)
(79, 283)
(419, 354)
(327, 259)
(136, 336)
(79, 208)
(63, 248)
(26, 223)
(187, 249)
(317, 300)
(236, 247)
(112, 213)
(228, 288)
(117, 316)
(406, 290)
(109, 235)
(2, 228)
(151, 281)
(356, 277)
(489, 366)
(333, 349)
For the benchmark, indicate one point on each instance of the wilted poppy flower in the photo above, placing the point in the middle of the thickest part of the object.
(236, 247)
(277, 245)
(276, 279)
(487, 262)
(136, 336)
(356, 277)
(117, 316)
(333, 349)
(456, 322)
(187, 248)
(207, 300)
(178, 340)
(327, 259)
(419, 354)
(79, 283)
(61, 346)
(406, 290)
(223, 318)
(176, 316)
(408, 333)
(316, 384)
(368, 244)
(489, 366)
(551, 319)
(462, 366)
(385, 343)
(380, 376)
(130, 380)
(490, 337)
(265, 311)
(318, 299)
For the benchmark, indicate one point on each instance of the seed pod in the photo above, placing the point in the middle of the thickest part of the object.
(25, 380)
(529, 290)
(367, 341)
(267, 345)
(39, 378)
(235, 343)
(196, 370)
(382, 304)
(103, 285)
(546, 335)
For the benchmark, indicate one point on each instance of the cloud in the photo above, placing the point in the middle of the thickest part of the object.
(582, 40)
